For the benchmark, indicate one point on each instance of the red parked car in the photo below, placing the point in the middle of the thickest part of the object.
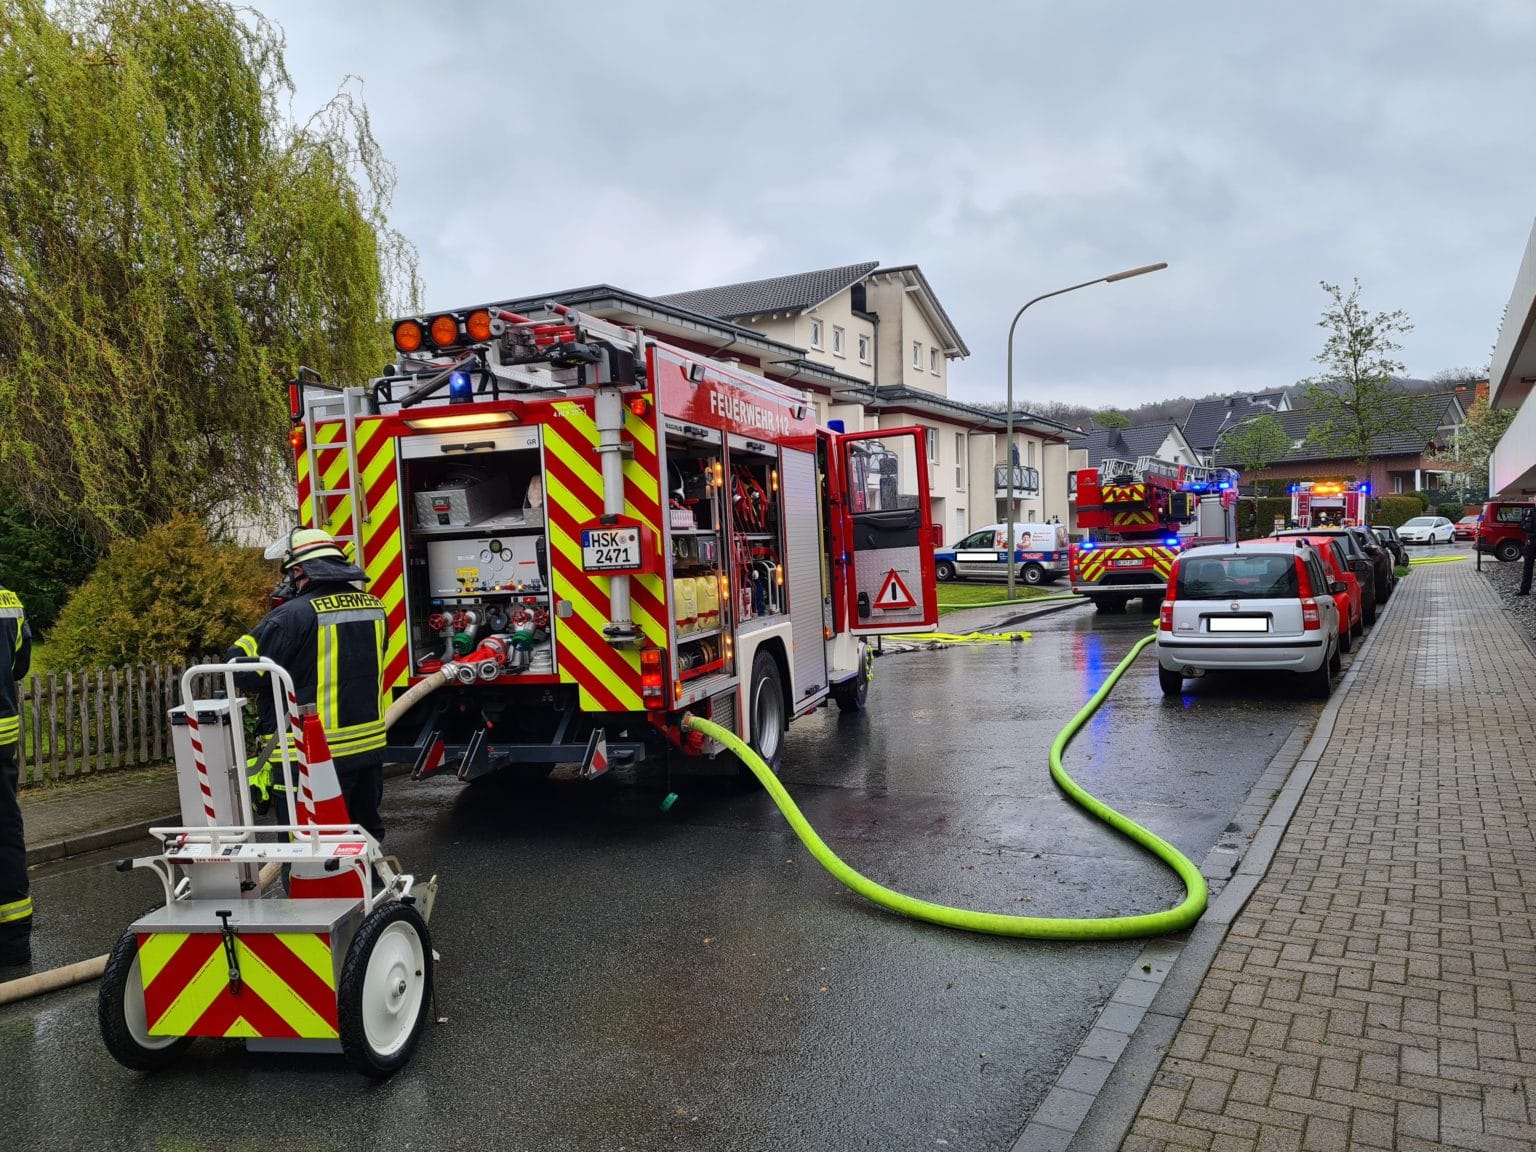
(1350, 602)
(1465, 528)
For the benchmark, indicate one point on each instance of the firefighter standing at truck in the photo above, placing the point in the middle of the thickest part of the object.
(329, 637)
(15, 897)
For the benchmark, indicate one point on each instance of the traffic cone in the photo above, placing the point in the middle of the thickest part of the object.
(320, 803)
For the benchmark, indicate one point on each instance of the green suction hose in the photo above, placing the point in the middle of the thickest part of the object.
(1034, 927)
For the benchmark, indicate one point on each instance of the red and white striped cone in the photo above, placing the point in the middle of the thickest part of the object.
(320, 803)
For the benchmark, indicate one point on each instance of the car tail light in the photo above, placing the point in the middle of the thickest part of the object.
(1311, 619)
(1303, 581)
(653, 677)
(1165, 617)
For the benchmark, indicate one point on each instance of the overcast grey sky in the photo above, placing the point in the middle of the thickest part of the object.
(1009, 149)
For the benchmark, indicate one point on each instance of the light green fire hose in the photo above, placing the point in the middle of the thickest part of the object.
(1034, 927)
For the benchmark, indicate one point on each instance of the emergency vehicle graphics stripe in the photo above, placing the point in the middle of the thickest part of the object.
(1135, 518)
(1092, 565)
(287, 985)
(1124, 494)
(607, 678)
(382, 556)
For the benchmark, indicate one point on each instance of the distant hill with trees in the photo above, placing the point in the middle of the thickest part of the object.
(1176, 408)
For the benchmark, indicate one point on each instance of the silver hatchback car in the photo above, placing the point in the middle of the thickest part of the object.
(1260, 605)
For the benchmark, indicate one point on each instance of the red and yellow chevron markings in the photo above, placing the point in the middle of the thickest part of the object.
(1092, 564)
(382, 556)
(1134, 518)
(1125, 494)
(607, 678)
(287, 989)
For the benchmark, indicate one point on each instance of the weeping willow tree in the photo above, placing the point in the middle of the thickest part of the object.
(172, 246)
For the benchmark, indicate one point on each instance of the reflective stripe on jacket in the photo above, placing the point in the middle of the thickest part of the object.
(15, 660)
(330, 638)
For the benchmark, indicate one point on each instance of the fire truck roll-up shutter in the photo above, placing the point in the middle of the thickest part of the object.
(802, 542)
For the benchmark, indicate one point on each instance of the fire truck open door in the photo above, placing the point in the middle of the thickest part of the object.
(889, 583)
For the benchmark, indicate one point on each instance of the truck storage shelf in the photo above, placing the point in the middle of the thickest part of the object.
(701, 634)
(695, 531)
(486, 527)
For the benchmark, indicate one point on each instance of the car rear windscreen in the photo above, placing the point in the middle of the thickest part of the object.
(1241, 577)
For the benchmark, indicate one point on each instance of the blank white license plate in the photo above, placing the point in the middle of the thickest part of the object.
(1238, 624)
(1128, 563)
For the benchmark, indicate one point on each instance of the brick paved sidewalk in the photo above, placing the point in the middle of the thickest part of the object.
(1379, 989)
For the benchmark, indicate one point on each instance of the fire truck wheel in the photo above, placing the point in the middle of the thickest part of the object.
(765, 710)
(1033, 574)
(944, 571)
(386, 990)
(120, 1012)
(1172, 683)
(852, 694)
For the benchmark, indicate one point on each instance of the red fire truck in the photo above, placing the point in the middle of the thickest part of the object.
(581, 533)
(1136, 516)
(1315, 503)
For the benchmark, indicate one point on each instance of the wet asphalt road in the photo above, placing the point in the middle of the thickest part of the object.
(616, 977)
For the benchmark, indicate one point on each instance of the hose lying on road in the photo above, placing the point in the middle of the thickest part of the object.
(940, 638)
(1034, 927)
(1435, 559)
(1021, 601)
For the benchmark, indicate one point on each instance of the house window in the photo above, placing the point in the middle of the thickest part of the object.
(932, 436)
(917, 354)
(1029, 453)
(933, 361)
(959, 522)
(837, 341)
(815, 333)
(1397, 485)
(960, 461)
(863, 349)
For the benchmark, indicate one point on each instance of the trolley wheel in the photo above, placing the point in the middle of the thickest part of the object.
(852, 694)
(120, 1012)
(386, 990)
(766, 713)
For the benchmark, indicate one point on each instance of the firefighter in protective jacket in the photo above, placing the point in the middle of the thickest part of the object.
(330, 638)
(15, 900)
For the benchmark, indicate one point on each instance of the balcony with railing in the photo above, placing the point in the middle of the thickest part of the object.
(1026, 481)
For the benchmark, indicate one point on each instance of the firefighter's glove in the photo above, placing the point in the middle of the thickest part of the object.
(261, 790)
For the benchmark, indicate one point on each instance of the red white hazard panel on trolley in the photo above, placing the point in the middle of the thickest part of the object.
(893, 594)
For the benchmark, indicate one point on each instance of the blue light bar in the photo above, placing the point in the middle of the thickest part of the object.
(460, 388)
(1085, 545)
(1295, 488)
(1172, 541)
(1366, 488)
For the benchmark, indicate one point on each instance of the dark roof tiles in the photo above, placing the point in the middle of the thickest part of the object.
(777, 294)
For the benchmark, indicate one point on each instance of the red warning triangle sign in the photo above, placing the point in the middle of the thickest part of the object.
(893, 594)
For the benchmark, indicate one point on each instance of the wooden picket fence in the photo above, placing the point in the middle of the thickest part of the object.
(78, 723)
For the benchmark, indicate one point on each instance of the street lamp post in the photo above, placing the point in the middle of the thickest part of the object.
(1126, 275)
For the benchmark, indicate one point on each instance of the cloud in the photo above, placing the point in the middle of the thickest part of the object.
(1008, 148)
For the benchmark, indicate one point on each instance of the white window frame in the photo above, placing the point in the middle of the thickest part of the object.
(959, 523)
(863, 348)
(815, 333)
(932, 436)
(917, 355)
(933, 361)
(837, 341)
(960, 461)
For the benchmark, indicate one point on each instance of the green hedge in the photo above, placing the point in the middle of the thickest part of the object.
(1268, 508)
(1452, 510)
(1397, 510)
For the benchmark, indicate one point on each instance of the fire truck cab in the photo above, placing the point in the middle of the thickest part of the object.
(1136, 517)
(583, 534)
